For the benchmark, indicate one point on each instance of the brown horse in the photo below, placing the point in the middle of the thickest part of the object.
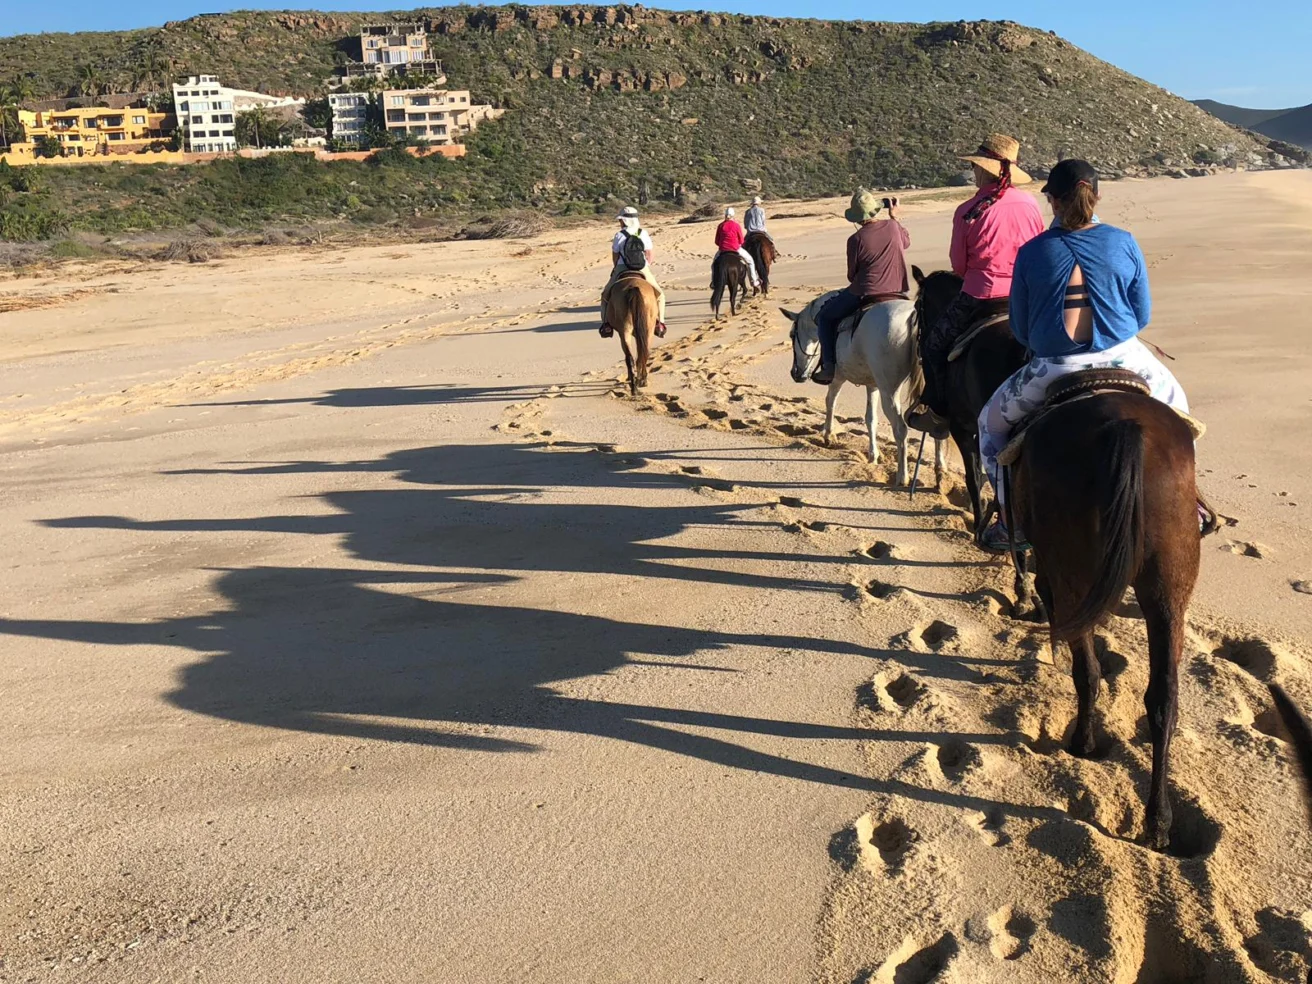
(1104, 490)
(763, 253)
(729, 271)
(632, 313)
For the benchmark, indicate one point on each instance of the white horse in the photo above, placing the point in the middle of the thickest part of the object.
(880, 354)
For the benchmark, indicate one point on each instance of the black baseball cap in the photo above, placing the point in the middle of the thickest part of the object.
(1067, 175)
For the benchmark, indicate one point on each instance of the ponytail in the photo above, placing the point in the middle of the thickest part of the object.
(1077, 210)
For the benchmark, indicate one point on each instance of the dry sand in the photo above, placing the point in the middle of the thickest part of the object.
(355, 629)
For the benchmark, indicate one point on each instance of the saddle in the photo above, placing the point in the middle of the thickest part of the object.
(1079, 386)
(629, 275)
(993, 312)
(870, 300)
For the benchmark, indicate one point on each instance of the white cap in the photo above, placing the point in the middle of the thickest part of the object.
(627, 212)
(756, 199)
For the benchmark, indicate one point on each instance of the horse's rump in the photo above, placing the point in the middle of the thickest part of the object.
(1102, 484)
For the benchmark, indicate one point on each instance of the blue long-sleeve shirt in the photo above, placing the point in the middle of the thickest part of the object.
(1115, 277)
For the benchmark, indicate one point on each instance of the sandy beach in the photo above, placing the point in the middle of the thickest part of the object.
(357, 626)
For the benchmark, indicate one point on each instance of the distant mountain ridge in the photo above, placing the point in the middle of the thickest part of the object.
(1292, 126)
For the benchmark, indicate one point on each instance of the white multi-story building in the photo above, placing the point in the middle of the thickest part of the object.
(207, 112)
(350, 110)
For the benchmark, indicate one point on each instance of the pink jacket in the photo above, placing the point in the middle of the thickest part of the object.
(983, 252)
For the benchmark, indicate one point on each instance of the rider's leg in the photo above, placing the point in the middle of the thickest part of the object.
(835, 310)
(1023, 392)
(650, 277)
(606, 329)
(1136, 356)
(937, 343)
(751, 266)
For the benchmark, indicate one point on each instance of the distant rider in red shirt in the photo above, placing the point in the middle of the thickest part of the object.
(729, 237)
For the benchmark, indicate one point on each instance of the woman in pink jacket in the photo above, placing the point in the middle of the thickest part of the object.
(987, 233)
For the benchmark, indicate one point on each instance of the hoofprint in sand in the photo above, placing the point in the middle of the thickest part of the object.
(979, 849)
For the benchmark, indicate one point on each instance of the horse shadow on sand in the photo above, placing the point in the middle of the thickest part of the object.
(419, 650)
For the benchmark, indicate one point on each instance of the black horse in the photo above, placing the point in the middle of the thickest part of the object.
(762, 250)
(729, 271)
(972, 379)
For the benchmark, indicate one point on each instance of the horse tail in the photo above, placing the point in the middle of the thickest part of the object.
(1118, 489)
(642, 314)
(1300, 731)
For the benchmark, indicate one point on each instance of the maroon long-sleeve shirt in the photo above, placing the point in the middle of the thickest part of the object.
(876, 263)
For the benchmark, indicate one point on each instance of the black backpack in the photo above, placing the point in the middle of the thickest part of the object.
(633, 253)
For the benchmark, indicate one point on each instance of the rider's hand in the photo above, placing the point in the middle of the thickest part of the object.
(892, 208)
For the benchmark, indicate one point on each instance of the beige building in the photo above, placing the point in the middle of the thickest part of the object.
(440, 116)
(394, 49)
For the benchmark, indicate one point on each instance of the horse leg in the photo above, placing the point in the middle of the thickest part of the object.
(1165, 624)
(940, 462)
(900, 434)
(1088, 677)
(628, 361)
(971, 460)
(831, 397)
(872, 422)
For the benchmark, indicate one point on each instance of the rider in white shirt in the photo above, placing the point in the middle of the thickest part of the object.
(630, 228)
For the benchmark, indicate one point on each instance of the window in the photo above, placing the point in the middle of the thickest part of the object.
(437, 116)
(116, 136)
(214, 133)
(200, 107)
(225, 118)
(182, 107)
(440, 130)
(138, 120)
(419, 129)
(464, 99)
(397, 101)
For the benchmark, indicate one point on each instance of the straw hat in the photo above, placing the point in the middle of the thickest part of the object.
(996, 148)
(865, 206)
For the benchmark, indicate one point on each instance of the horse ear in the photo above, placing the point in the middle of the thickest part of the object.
(918, 274)
(790, 315)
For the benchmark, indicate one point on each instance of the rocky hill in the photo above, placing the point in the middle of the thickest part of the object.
(626, 102)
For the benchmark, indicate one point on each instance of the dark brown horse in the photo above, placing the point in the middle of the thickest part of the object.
(728, 272)
(971, 379)
(763, 252)
(1104, 490)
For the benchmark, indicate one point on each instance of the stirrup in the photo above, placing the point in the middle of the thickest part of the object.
(996, 539)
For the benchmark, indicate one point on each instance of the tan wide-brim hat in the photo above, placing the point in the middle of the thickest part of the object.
(996, 148)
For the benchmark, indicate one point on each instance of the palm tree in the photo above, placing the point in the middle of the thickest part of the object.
(89, 81)
(149, 71)
(12, 96)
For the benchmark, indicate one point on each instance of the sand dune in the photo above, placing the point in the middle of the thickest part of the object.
(358, 625)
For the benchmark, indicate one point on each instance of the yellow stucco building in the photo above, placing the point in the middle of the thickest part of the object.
(92, 130)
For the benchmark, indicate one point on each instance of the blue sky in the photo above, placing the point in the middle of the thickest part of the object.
(1251, 54)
